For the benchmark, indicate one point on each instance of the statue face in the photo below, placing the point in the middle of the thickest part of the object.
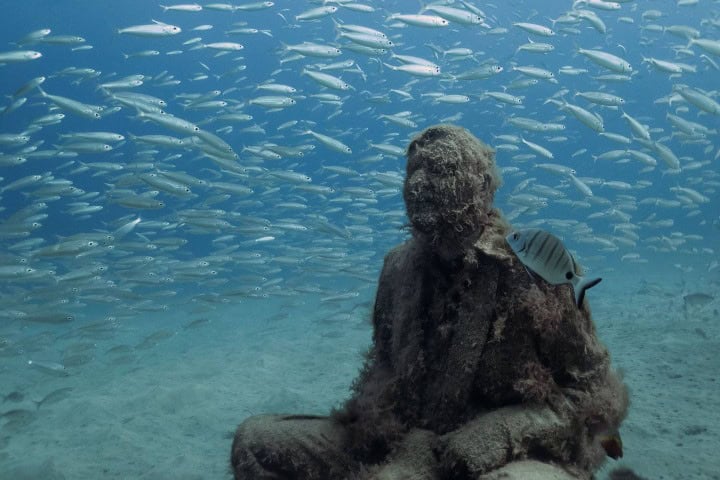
(449, 187)
(447, 208)
(422, 197)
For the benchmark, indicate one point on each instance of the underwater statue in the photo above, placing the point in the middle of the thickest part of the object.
(476, 370)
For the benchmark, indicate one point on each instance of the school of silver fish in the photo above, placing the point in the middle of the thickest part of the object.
(198, 187)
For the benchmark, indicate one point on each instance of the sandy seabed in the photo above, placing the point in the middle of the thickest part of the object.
(158, 396)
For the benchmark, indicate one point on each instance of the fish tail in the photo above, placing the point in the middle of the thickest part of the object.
(612, 444)
(582, 287)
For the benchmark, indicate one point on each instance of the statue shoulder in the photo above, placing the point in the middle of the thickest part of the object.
(492, 242)
(401, 257)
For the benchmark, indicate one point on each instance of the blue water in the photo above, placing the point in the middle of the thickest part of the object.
(288, 315)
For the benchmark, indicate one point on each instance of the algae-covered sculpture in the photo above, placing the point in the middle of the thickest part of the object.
(476, 369)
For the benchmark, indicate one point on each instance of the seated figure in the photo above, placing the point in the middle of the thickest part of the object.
(476, 370)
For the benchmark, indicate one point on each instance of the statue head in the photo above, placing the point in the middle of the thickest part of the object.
(449, 188)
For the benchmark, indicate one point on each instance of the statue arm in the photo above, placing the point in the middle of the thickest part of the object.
(389, 288)
(510, 443)
(499, 437)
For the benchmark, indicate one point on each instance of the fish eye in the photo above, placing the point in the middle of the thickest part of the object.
(91, 243)
(569, 275)
(515, 236)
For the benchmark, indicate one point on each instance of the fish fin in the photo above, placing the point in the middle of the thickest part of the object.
(336, 22)
(582, 287)
(577, 268)
(612, 444)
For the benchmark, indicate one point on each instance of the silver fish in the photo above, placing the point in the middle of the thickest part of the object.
(157, 29)
(50, 368)
(544, 253)
(19, 56)
(83, 109)
(697, 299)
